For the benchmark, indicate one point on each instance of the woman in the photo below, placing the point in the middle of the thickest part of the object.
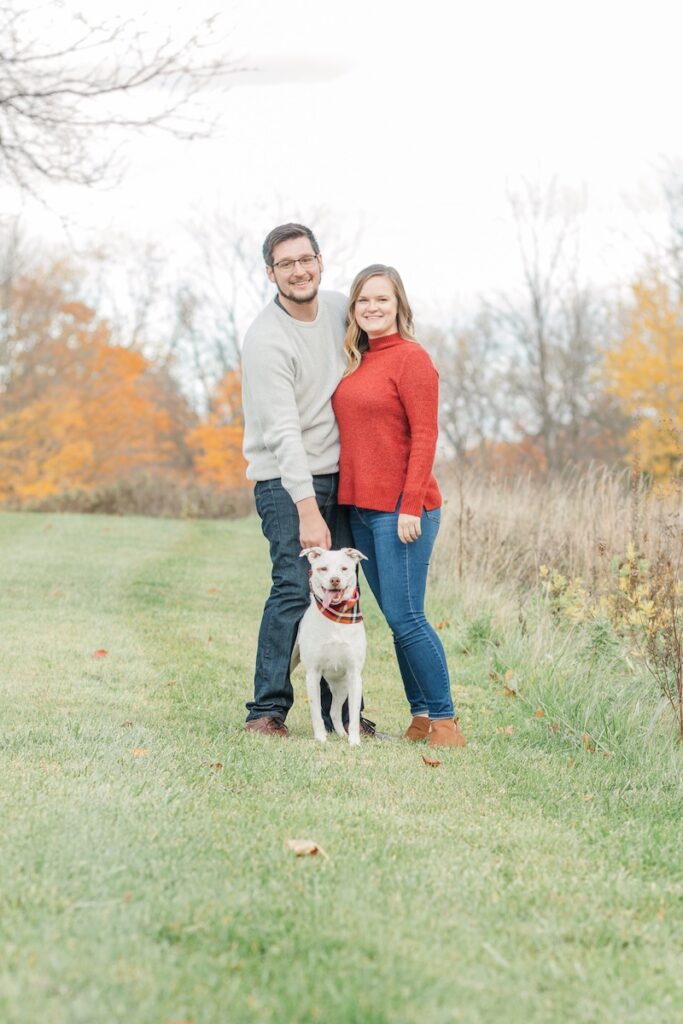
(387, 409)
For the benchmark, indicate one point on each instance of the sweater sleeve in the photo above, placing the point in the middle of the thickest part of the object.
(418, 388)
(268, 374)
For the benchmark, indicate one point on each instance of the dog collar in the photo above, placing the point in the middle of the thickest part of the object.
(346, 612)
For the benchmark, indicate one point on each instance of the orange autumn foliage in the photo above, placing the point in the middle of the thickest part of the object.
(78, 411)
(216, 443)
(509, 458)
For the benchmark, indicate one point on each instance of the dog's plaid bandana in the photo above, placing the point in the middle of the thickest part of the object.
(347, 612)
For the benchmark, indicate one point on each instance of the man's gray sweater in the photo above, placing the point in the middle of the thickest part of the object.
(290, 370)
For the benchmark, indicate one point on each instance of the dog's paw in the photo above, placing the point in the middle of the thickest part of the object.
(354, 741)
(321, 737)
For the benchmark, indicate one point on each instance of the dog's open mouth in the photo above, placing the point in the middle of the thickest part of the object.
(331, 597)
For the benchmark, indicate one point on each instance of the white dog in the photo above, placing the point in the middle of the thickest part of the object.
(331, 639)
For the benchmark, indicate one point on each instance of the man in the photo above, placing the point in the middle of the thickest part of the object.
(292, 361)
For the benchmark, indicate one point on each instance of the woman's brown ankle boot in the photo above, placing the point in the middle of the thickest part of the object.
(418, 729)
(446, 733)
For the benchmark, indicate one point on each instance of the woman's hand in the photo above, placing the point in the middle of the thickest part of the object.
(409, 528)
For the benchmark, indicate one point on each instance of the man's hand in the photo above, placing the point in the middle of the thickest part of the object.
(409, 528)
(313, 531)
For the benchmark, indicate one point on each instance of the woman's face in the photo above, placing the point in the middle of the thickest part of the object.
(376, 307)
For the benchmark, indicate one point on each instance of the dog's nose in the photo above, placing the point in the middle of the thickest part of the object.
(334, 581)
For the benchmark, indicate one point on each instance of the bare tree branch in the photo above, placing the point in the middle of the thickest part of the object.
(65, 106)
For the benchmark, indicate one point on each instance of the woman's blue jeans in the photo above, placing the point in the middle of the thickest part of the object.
(397, 574)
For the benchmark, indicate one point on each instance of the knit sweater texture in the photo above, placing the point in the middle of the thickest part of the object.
(290, 369)
(387, 411)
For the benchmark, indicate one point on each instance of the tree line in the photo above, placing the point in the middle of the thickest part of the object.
(559, 374)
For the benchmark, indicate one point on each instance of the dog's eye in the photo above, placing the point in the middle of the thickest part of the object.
(344, 568)
(322, 568)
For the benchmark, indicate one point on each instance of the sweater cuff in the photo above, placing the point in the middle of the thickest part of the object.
(301, 491)
(411, 504)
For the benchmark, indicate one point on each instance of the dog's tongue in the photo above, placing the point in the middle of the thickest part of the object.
(327, 598)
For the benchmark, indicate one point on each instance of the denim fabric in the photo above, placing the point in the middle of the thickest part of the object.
(289, 595)
(397, 574)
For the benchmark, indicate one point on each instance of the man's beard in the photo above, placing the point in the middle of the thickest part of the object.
(301, 299)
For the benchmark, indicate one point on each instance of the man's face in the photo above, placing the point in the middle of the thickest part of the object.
(297, 282)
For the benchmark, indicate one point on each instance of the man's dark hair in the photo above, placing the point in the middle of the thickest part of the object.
(282, 234)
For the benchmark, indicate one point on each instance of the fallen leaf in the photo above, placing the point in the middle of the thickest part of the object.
(509, 675)
(305, 848)
(506, 730)
(570, 762)
(210, 639)
(607, 754)
(127, 724)
(554, 728)
(216, 766)
(57, 593)
(539, 713)
(509, 692)
(431, 761)
(101, 653)
(128, 897)
(214, 590)
(444, 624)
(587, 796)
(139, 751)
(588, 743)
(494, 676)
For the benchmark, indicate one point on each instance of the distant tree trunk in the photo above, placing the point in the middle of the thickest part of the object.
(554, 329)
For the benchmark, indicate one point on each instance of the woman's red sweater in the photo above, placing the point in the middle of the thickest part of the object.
(387, 411)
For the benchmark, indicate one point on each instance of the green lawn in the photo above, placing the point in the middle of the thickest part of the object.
(144, 872)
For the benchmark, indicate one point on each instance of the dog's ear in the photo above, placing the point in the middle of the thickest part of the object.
(312, 553)
(355, 554)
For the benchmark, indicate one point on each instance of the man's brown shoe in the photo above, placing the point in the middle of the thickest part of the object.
(269, 725)
(446, 733)
(418, 730)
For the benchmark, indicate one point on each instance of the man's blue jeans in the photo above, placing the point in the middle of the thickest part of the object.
(397, 574)
(289, 596)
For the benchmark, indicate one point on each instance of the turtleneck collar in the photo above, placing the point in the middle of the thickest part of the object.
(386, 341)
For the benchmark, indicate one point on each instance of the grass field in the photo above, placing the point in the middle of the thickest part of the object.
(144, 871)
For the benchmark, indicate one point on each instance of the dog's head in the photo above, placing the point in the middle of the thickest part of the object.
(333, 572)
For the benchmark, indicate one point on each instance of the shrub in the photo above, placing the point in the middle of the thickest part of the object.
(149, 495)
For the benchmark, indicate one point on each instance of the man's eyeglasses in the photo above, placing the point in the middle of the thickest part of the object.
(306, 262)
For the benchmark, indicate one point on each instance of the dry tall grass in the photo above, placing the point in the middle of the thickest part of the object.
(596, 638)
(503, 531)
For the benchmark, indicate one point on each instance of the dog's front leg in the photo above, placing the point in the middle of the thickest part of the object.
(313, 690)
(338, 697)
(355, 696)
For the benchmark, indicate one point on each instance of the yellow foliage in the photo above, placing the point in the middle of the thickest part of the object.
(638, 602)
(645, 373)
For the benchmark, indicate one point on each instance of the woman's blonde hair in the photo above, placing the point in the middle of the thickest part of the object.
(356, 340)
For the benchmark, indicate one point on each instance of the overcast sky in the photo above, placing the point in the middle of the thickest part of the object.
(410, 120)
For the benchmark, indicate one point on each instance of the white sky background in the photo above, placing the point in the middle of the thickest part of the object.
(410, 120)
